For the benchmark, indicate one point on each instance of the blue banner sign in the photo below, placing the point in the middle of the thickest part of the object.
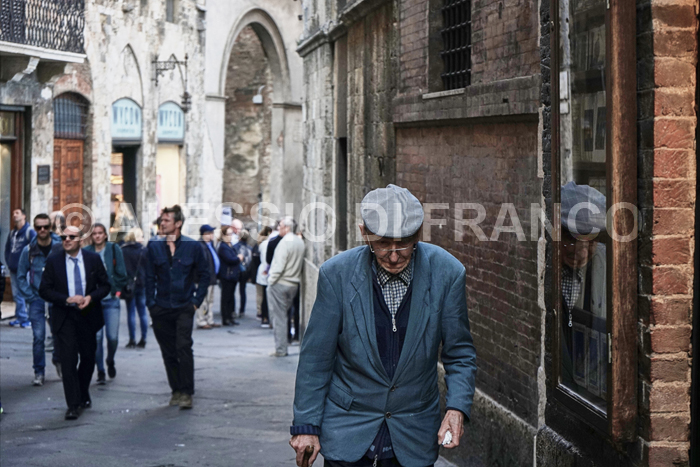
(126, 121)
(171, 123)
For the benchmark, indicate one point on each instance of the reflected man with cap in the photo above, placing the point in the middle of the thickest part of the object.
(367, 381)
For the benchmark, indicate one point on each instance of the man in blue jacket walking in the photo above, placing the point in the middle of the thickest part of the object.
(172, 296)
(19, 237)
(367, 381)
(29, 271)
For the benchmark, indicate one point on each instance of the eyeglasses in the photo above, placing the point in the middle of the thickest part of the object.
(42, 227)
(384, 252)
(69, 237)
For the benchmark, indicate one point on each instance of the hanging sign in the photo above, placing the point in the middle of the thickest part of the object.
(126, 121)
(171, 123)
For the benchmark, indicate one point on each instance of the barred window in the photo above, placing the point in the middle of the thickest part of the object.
(70, 116)
(456, 43)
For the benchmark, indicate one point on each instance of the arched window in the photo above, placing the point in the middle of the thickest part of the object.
(70, 116)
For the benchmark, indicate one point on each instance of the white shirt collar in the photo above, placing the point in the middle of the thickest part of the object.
(79, 256)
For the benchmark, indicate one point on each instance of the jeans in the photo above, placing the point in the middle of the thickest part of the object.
(110, 310)
(20, 306)
(137, 302)
(37, 316)
(173, 331)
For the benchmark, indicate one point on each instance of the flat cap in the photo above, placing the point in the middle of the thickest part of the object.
(205, 228)
(391, 212)
(583, 209)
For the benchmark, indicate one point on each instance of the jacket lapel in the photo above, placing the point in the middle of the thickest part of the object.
(420, 309)
(362, 310)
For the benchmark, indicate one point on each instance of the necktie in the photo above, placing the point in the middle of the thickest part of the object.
(77, 280)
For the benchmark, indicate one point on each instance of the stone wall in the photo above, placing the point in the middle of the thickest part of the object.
(248, 125)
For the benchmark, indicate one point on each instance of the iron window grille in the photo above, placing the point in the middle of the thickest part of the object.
(457, 43)
(49, 24)
(70, 116)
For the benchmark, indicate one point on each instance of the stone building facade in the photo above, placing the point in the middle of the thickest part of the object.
(492, 155)
(142, 140)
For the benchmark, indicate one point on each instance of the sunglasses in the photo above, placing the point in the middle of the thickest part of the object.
(69, 237)
(42, 227)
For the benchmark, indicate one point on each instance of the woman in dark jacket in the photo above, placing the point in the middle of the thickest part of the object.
(229, 275)
(134, 259)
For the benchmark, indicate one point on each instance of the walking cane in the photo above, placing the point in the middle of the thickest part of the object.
(307, 455)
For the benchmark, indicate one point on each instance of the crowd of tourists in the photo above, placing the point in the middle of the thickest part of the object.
(68, 285)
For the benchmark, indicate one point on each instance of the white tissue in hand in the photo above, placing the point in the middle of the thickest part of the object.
(447, 439)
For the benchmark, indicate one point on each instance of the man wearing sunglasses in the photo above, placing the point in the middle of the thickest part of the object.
(367, 381)
(29, 272)
(75, 282)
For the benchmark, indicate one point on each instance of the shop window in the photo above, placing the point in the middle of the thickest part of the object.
(591, 175)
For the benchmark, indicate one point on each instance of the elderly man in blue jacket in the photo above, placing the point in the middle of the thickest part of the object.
(172, 296)
(367, 380)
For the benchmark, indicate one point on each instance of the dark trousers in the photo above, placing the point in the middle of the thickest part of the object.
(228, 300)
(293, 318)
(76, 340)
(242, 282)
(364, 462)
(264, 311)
(173, 331)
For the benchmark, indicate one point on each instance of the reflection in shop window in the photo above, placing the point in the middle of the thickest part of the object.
(584, 240)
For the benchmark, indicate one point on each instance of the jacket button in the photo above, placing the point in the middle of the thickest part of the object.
(393, 388)
(388, 415)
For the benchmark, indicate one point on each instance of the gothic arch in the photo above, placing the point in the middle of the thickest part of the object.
(266, 29)
(132, 81)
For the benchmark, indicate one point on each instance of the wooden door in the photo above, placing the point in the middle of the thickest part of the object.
(67, 173)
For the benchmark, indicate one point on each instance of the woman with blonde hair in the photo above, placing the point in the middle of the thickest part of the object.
(135, 291)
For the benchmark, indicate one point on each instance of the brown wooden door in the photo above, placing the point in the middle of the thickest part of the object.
(67, 172)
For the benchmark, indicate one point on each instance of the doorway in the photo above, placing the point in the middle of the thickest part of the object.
(122, 191)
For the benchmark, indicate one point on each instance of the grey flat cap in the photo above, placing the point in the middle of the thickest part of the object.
(578, 203)
(391, 212)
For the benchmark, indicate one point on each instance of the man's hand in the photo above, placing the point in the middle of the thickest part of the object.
(86, 301)
(75, 299)
(299, 443)
(454, 422)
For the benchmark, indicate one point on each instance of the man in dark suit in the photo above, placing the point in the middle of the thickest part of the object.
(75, 283)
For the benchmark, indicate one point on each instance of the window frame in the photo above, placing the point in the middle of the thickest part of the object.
(621, 180)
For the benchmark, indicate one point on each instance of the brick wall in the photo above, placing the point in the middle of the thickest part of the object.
(504, 42)
(488, 164)
(247, 147)
(667, 54)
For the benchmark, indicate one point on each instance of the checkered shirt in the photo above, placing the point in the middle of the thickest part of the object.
(570, 285)
(394, 286)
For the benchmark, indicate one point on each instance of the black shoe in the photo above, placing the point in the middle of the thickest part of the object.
(86, 404)
(111, 370)
(141, 344)
(101, 380)
(72, 414)
(235, 323)
(131, 344)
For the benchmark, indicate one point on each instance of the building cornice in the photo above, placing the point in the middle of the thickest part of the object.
(47, 55)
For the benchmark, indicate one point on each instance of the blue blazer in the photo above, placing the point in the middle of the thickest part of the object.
(341, 385)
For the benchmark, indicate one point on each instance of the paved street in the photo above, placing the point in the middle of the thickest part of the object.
(241, 415)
